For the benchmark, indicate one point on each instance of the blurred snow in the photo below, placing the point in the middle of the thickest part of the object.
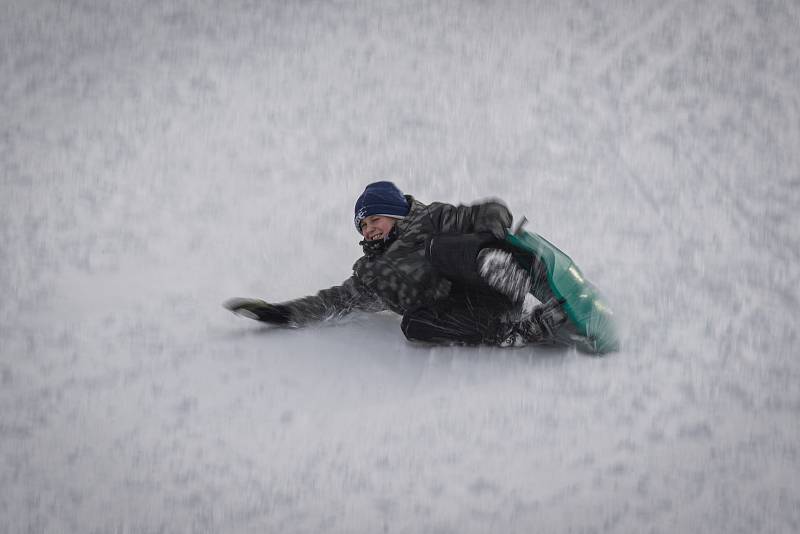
(159, 157)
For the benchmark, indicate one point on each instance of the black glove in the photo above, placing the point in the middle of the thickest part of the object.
(495, 218)
(497, 229)
(259, 310)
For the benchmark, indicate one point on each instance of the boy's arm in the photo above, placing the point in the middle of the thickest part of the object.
(332, 303)
(491, 216)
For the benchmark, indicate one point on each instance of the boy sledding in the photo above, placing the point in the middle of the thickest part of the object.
(457, 276)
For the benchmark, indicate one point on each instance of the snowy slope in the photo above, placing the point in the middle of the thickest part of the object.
(159, 157)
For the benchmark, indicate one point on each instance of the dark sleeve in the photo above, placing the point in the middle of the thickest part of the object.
(333, 303)
(492, 216)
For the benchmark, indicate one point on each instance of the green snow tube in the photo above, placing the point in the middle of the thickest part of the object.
(592, 327)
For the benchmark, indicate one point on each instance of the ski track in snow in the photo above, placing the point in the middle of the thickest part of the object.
(160, 157)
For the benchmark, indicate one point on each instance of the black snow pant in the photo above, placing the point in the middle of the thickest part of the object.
(473, 313)
(467, 316)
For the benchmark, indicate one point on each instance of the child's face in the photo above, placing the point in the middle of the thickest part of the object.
(376, 227)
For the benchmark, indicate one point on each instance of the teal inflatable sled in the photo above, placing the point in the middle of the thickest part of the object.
(592, 326)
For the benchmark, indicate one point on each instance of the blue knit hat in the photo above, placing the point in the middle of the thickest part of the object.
(380, 198)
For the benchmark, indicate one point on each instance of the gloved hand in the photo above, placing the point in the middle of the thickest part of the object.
(494, 218)
(259, 310)
(498, 229)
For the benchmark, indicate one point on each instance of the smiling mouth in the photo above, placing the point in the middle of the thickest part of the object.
(377, 236)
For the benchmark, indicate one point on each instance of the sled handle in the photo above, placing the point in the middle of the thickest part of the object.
(522, 222)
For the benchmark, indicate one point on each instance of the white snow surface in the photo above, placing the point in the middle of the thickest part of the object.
(159, 157)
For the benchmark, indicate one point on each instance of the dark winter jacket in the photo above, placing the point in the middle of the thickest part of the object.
(402, 276)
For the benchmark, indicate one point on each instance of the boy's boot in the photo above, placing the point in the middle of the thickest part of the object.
(543, 322)
(538, 325)
(499, 270)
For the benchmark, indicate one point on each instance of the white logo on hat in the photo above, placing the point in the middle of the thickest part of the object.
(360, 215)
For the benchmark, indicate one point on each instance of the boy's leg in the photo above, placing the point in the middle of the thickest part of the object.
(455, 256)
(481, 261)
(465, 317)
(474, 317)
(488, 302)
